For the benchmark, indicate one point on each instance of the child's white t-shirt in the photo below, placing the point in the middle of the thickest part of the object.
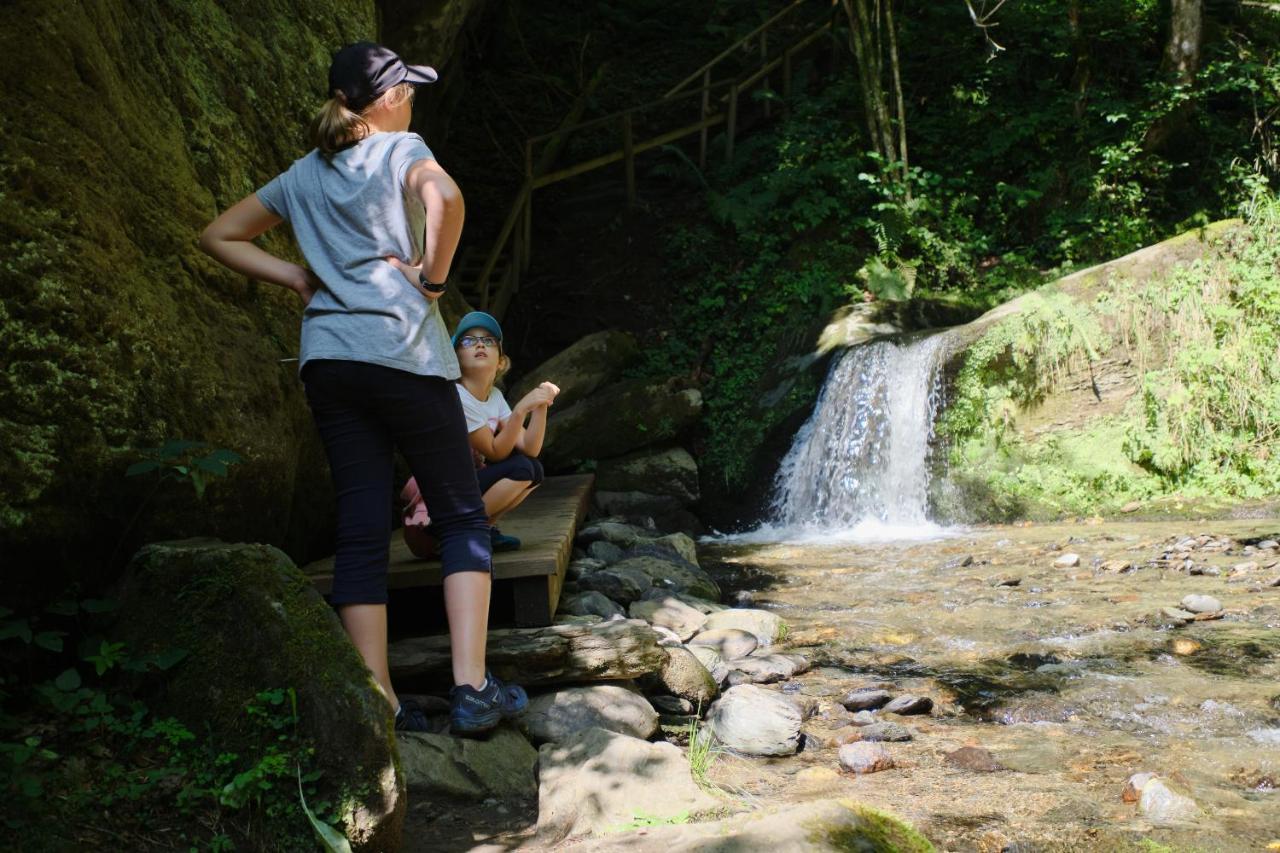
(490, 413)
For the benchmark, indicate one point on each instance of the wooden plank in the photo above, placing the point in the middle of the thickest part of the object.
(545, 524)
(614, 157)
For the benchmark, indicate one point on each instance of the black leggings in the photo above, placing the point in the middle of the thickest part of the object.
(516, 467)
(363, 411)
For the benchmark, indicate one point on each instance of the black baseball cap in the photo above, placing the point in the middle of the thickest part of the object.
(364, 70)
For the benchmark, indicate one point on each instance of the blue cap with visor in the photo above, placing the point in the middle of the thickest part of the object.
(477, 320)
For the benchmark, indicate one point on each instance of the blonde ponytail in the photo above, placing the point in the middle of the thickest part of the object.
(337, 126)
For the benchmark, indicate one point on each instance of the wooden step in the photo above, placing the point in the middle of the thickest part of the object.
(545, 524)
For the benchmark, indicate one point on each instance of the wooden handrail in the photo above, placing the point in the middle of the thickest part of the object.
(520, 212)
(737, 45)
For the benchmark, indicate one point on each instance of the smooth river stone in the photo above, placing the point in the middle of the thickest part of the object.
(866, 699)
(729, 643)
(908, 704)
(1201, 604)
(862, 757)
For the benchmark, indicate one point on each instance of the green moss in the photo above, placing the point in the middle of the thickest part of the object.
(875, 832)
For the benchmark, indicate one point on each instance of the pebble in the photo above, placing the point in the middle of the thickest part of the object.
(1116, 567)
(862, 757)
(1006, 580)
(974, 758)
(1201, 604)
(889, 732)
(866, 718)
(908, 704)
(1067, 561)
(866, 699)
(1269, 544)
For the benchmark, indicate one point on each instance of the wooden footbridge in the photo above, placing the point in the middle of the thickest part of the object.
(531, 577)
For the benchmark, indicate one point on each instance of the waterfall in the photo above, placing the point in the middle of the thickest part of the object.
(863, 457)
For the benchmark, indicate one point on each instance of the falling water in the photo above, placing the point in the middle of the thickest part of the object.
(863, 457)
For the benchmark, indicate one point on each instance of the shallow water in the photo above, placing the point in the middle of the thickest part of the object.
(1069, 678)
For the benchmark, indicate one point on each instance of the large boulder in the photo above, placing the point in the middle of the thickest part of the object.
(671, 472)
(685, 676)
(598, 781)
(250, 621)
(581, 368)
(556, 715)
(767, 627)
(672, 574)
(504, 765)
(668, 612)
(624, 417)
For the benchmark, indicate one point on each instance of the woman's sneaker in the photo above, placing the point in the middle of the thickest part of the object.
(499, 541)
(473, 711)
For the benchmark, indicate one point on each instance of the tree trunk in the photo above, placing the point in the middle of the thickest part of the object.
(1182, 60)
(868, 45)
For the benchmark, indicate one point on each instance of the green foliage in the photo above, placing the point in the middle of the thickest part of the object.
(1205, 342)
(83, 733)
(186, 462)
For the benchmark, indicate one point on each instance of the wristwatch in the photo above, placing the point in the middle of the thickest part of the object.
(430, 286)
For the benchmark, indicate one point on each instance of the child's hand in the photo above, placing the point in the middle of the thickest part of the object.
(543, 395)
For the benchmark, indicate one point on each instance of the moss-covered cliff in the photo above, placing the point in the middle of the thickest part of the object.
(131, 123)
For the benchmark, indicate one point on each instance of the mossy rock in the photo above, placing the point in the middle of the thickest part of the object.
(669, 472)
(137, 124)
(581, 368)
(250, 621)
(620, 419)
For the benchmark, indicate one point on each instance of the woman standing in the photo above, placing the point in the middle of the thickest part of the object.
(376, 361)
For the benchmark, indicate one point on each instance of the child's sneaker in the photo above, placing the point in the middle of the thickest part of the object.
(499, 541)
(474, 711)
(411, 718)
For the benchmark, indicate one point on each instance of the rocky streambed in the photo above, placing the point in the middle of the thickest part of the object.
(1054, 687)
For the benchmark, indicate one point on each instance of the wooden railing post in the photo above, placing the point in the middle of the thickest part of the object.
(764, 60)
(526, 224)
(629, 158)
(706, 108)
(731, 123)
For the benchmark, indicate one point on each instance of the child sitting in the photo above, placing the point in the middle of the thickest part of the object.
(498, 433)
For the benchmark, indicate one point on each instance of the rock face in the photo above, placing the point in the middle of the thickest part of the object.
(671, 472)
(756, 721)
(557, 715)
(596, 781)
(826, 826)
(502, 765)
(166, 343)
(199, 595)
(603, 651)
(623, 418)
(580, 368)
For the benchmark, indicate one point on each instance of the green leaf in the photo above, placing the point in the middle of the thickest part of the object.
(144, 467)
(211, 466)
(332, 840)
(17, 628)
(197, 480)
(51, 640)
(99, 605)
(68, 681)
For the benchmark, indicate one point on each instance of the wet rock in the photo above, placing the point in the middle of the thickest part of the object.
(711, 660)
(1175, 616)
(889, 732)
(582, 566)
(1116, 567)
(699, 604)
(765, 626)
(1133, 787)
(1201, 604)
(974, 758)
(1067, 561)
(742, 598)
(672, 545)
(669, 612)
(907, 705)
(597, 780)
(672, 705)
(605, 552)
(621, 535)
(1163, 806)
(671, 574)
(1006, 580)
(1244, 568)
(1269, 544)
(764, 669)
(685, 676)
(866, 699)
(863, 718)
(502, 765)
(1032, 708)
(589, 604)
(618, 582)
(1184, 646)
(862, 757)
(755, 721)
(666, 637)
(958, 562)
(557, 715)
(729, 643)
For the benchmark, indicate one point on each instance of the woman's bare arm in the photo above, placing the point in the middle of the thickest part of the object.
(229, 241)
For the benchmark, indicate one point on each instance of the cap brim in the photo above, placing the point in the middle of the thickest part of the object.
(420, 74)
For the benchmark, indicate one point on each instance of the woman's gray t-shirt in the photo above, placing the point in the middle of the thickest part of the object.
(348, 213)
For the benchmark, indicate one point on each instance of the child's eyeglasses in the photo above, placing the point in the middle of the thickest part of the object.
(468, 341)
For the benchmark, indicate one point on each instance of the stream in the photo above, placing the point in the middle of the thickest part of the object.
(1071, 677)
